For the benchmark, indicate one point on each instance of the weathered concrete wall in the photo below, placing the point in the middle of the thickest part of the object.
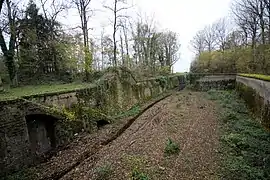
(66, 99)
(256, 93)
(193, 77)
(111, 95)
(15, 143)
(218, 82)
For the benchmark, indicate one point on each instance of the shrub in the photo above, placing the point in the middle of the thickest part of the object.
(138, 175)
(103, 172)
(171, 148)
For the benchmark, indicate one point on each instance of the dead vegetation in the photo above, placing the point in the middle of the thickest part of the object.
(144, 150)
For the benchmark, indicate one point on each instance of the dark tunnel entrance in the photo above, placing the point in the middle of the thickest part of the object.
(182, 83)
(41, 132)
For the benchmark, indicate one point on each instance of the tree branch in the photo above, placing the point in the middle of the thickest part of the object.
(108, 7)
(123, 8)
(3, 44)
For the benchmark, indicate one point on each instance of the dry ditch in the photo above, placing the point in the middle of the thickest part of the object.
(187, 118)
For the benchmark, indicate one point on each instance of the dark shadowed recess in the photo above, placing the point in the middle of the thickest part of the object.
(41, 131)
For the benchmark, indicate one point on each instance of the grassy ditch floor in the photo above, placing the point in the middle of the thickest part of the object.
(176, 139)
(245, 144)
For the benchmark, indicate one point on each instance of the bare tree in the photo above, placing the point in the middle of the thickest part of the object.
(117, 17)
(102, 48)
(124, 42)
(107, 44)
(221, 32)
(247, 20)
(142, 34)
(235, 39)
(54, 9)
(210, 37)
(171, 46)
(198, 42)
(257, 8)
(9, 51)
(84, 10)
(122, 48)
(251, 36)
(267, 14)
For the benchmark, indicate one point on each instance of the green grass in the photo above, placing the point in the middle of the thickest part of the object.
(18, 92)
(171, 148)
(257, 76)
(131, 112)
(138, 175)
(245, 144)
(103, 172)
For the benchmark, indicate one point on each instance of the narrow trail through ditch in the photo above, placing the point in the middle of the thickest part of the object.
(187, 118)
(85, 147)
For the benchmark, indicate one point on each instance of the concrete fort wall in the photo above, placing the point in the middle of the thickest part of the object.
(256, 93)
(29, 127)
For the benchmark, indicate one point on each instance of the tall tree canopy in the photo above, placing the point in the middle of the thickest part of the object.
(245, 48)
(37, 46)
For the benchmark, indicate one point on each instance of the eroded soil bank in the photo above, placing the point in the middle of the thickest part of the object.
(187, 118)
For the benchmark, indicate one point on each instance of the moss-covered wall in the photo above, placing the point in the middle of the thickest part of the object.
(15, 151)
(75, 111)
(256, 93)
(218, 82)
(13, 136)
(191, 78)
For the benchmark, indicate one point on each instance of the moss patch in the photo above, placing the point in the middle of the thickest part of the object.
(78, 118)
(257, 76)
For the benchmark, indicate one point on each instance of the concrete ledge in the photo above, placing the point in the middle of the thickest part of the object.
(260, 86)
(217, 82)
(256, 93)
(217, 78)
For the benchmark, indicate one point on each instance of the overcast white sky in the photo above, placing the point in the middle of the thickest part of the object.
(184, 17)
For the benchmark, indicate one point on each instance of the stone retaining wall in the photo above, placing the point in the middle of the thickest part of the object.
(110, 95)
(256, 93)
(218, 82)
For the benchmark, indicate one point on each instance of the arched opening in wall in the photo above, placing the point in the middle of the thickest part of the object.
(41, 131)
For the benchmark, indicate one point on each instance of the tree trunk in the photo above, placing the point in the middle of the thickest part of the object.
(87, 54)
(102, 50)
(1, 85)
(127, 50)
(9, 52)
(114, 33)
(122, 51)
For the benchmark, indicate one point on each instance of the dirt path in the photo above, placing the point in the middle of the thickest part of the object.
(187, 118)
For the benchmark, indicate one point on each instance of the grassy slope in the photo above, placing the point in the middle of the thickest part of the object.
(14, 93)
(257, 76)
(245, 143)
